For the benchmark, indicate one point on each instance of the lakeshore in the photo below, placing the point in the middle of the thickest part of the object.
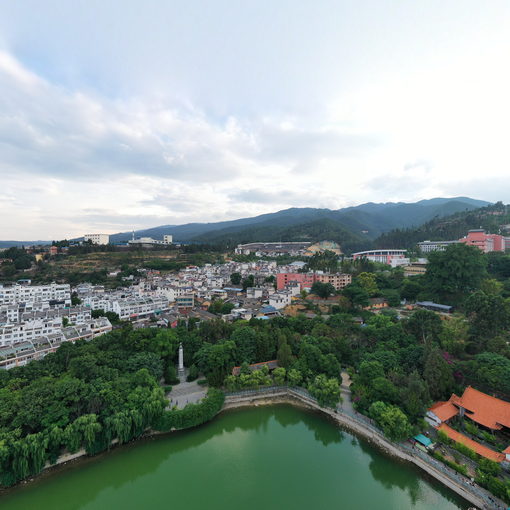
(275, 456)
(353, 422)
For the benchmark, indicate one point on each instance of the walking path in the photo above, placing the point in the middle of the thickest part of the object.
(186, 393)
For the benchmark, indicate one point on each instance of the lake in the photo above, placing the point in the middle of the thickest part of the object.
(274, 457)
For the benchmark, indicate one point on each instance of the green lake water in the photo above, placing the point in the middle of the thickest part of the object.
(276, 457)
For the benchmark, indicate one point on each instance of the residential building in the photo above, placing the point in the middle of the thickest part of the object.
(306, 280)
(338, 280)
(55, 294)
(97, 238)
(429, 246)
(28, 348)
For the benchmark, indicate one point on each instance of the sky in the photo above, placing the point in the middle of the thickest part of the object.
(125, 114)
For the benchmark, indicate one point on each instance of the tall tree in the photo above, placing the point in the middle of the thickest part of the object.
(455, 272)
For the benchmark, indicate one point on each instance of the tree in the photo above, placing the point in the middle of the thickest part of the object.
(454, 335)
(235, 278)
(455, 272)
(425, 326)
(294, 377)
(438, 374)
(323, 290)
(488, 314)
(324, 261)
(279, 375)
(410, 289)
(415, 396)
(326, 391)
(368, 371)
(248, 282)
(392, 420)
(215, 361)
(284, 355)
(245, 339)
(357, 295)
(367, 281)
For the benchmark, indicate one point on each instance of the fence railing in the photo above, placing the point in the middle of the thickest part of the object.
(369, 424)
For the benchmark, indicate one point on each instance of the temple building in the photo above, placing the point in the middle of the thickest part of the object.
(491, 413)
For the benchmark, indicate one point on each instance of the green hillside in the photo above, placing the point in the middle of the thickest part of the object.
(455, 226)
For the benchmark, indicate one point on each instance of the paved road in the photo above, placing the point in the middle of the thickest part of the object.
(186, 393)
(346, 405)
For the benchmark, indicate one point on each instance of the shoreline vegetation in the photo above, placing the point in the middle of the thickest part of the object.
(216, 403)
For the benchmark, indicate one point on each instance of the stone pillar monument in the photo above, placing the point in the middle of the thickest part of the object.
(180, 369)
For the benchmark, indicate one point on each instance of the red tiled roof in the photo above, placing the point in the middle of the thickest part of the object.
(507, 450)
(491, 412)
(477, 447)
(444, 410)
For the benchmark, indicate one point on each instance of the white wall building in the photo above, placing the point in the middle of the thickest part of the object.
(56, 294)
(97, 238)
(280, 300)
(429, 246)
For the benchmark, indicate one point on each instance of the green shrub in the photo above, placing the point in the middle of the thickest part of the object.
(471, 428)
(465, 450)
(202, 382)
(193, 373)
(489, 467)
(443, 438)
(193, 414)
(460, 468)
(171, 374)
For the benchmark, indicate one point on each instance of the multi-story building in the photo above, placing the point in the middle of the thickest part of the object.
(338, 280)
(273, 249)
(306, 280)
(55, 294)
(381, 256)
(149, 242)
(29, 331)
(429, 246)
(486, 242)
(97, 238)
(27, 348)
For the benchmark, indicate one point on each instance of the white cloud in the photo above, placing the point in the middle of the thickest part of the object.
(171, 114)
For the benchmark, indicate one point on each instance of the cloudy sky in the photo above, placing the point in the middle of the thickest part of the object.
(125, 114)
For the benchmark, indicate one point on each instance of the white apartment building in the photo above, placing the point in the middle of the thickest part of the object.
(138, 307)
(20, 353)
(280, 300)
(429, 246)
(29, 331)
(56, 294)
(97, 238)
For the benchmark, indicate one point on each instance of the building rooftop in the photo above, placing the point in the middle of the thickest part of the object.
(491, 412)
(473, 445)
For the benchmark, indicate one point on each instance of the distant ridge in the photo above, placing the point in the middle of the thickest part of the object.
(353, 227)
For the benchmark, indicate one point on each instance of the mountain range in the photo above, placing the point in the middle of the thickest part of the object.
(353, 227)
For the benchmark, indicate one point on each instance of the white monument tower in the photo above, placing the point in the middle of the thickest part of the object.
(180, 369)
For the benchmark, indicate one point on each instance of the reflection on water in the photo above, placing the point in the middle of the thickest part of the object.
(275, 457)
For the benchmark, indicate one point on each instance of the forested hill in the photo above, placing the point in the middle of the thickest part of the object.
(312, 231)
(492, 218)
(362, 222)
